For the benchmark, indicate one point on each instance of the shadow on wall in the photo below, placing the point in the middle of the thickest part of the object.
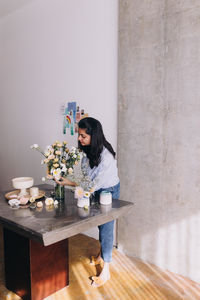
(167, 236)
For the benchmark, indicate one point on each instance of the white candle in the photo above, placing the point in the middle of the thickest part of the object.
(34, 191)
(105, 198)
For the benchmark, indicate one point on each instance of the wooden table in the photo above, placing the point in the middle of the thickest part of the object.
(36, 241)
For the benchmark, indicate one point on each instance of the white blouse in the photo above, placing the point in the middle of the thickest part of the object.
(105, 175)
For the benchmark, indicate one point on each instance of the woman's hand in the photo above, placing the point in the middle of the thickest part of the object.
(65, 181)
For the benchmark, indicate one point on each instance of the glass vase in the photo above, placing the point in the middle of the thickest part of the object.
(59, 192)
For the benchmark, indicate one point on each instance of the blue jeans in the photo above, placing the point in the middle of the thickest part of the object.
(106, 234)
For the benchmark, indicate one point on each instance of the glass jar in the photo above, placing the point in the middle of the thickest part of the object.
(59, 192)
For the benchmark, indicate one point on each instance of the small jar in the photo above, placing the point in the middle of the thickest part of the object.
(85, 201)
(105, 198)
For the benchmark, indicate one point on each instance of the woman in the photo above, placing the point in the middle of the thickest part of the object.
(100, 164)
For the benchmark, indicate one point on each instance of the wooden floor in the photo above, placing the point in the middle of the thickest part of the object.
(130, 278)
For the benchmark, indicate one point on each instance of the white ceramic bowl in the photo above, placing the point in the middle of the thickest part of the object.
(22, 183)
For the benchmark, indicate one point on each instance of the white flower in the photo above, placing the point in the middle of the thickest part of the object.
(63, 168)
(73, 149)
(56, 165)
(70, 171)
(47, 154)
(79, 192)
(74, 155)
(49, 148)
(43, 179)
(32, 199)
(49, 201)
(39, 204)
(51, 156)
(34, 146)
(58, 152)
(56, 173)
(56, 202)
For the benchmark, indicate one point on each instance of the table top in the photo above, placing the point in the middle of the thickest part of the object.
(49, 225)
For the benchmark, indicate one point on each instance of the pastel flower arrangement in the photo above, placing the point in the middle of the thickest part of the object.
(85, 186)
(80, 193)
(59, 159)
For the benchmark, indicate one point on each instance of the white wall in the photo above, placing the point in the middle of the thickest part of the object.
(52, 52)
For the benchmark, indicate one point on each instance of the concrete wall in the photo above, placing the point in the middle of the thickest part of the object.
(159, 132)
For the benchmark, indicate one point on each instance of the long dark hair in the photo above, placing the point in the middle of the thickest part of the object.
(94, 128)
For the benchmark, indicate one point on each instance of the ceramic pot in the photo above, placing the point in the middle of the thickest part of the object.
(85, 201)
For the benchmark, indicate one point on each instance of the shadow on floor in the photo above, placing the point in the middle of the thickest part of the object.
(130, 278)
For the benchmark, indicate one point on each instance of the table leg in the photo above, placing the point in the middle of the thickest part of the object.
(32, 270)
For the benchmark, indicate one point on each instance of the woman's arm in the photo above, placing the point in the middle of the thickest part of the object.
(65, 181)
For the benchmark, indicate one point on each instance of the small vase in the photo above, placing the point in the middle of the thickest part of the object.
(59, 192)
(85, 201)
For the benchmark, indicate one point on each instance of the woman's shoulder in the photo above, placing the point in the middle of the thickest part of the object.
(106, 154)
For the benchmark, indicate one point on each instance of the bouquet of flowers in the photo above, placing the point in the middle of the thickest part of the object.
(85, 188)
(59, 159)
